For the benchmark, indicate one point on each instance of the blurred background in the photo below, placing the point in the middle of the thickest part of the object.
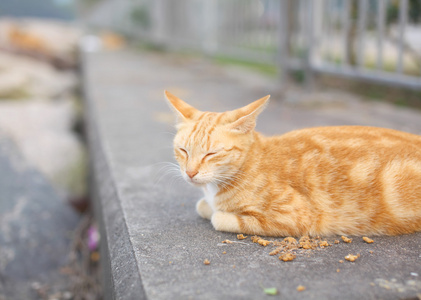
(49, 239)
(363, 39)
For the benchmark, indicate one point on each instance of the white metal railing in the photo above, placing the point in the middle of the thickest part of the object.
(367, 39)
(359, 40)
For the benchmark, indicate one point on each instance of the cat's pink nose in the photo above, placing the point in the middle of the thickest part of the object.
(192, 173)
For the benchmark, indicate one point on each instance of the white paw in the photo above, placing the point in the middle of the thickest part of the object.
(203, 209)
(223, 221)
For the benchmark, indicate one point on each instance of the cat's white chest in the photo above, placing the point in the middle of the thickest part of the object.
(210, 192)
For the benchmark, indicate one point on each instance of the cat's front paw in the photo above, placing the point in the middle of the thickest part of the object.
(223, 221)
(203, 209)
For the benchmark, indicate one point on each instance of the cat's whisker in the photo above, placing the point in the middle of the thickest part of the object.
(175, 180)
(167, 173)
(164, 164)
(227, 181)
(168, 133)
(168, 169)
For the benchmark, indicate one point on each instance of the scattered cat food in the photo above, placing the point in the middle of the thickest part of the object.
(301, 288)
(351, 257)
(225, 252)
(263, 242)
(324, 244)
(255, 238)
(290, 240)
(371, 251)
(287, 245)
(287, 256)
(270, 291)
(276, 251)
(367, 240)
(338, 270)
(304, 238)
(260, 241)
(346, 239)
(290, 247)
(305, 246)
(206, 262)
(227, 242)
(241, 236)
(306, 243)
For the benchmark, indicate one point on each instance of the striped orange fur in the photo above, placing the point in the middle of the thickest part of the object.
(350, 180)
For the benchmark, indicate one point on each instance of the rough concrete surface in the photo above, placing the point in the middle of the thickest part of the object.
(165, 242)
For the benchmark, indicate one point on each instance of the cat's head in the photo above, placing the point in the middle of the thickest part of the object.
(212, 147)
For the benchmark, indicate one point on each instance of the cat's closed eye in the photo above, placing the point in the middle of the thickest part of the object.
(209, 155)
(183, 151)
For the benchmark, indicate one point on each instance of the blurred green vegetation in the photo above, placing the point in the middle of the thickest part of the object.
(268, 69)
(373, 91)
(141, 16)
(414, 11)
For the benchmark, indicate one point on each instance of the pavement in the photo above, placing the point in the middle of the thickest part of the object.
(154, 243)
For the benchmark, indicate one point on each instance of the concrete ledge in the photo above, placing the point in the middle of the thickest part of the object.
(153, 242)
(121, 277)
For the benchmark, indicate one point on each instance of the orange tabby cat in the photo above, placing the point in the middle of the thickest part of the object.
(320, 181)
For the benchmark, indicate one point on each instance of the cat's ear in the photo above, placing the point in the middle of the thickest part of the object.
(245, 117)
(183, 110)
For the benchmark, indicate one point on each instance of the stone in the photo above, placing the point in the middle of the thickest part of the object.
(35, 227)
(51, 40)
(43, 134)
(25, 77)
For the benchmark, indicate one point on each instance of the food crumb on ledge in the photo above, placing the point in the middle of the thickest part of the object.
(287, 257)
(367, 240)
(260, 241)
(351, 257)
(290, 240)
(301, 288)
(263, 242)
(241, 236)
(324, 244)
(346, 239)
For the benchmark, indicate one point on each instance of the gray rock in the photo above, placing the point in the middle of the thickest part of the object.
(53, 41)
(42, 131)
(25, 77)
(36, 225)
